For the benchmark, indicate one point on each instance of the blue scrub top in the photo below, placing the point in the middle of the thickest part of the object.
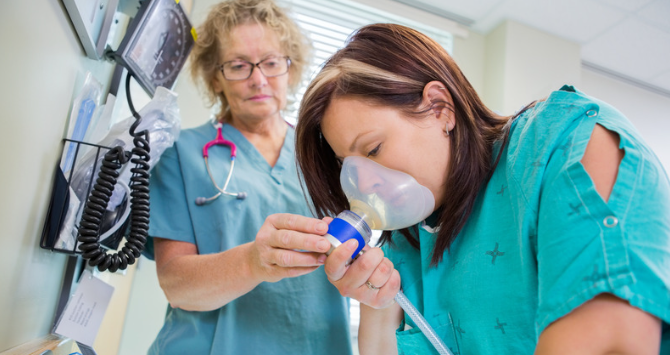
(302, 315)
(541, 241)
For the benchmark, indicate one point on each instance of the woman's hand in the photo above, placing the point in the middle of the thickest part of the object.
(196, 282)
(288, 245)
(370, 279)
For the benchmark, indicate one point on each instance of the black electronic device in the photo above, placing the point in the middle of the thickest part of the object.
(156, 44)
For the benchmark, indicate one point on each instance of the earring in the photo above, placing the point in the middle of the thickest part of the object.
(446, 129)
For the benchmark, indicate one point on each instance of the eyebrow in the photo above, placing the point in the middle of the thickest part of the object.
(352, 147)
(237, 56)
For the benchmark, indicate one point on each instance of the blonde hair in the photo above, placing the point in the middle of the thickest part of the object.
(221, 20)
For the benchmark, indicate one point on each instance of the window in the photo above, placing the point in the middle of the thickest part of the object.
(328, 23)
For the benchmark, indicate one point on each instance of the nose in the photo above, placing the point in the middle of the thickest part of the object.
(257, 77)
(368, 181)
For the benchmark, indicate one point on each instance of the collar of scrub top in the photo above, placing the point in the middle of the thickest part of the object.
(219, 140)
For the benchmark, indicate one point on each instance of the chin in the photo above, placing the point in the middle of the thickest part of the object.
(264, 113)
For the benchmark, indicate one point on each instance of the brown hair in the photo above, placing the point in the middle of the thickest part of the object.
(389, 65)
(221, 20)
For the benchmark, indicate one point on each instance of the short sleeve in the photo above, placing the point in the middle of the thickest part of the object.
(169, 216)
(586, 246)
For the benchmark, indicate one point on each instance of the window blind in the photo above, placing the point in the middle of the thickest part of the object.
(328, 24)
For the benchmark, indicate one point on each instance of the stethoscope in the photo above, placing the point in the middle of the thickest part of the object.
(219, 140)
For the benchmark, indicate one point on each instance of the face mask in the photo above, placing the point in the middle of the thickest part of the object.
(380, 198)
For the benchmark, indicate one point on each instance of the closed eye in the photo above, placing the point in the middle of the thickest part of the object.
(375, 151)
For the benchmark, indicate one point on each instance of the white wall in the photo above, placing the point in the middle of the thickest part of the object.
(41, 59)
(146, 310)
(648, 111)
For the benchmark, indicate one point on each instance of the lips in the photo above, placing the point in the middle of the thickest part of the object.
(259, 97)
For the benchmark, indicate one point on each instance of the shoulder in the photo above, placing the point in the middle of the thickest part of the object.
(290, 132)
(563, 123)
(192, 140)
(189, 142)
(567, 107)
(203, 132)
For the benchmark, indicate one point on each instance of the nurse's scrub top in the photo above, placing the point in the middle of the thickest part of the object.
(541, 241)
(302, 315)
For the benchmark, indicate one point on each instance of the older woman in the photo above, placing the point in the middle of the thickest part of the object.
(550, 232)
(236, 253)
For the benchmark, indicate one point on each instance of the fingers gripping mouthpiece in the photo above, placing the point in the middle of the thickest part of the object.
(348, 225)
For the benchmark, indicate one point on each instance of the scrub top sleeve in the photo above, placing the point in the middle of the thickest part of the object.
(169, 216)
(587, 246)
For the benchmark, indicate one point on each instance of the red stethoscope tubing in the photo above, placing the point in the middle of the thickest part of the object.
(219, 140)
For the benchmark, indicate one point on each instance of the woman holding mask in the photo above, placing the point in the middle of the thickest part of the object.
(551, 228)
(240, 268)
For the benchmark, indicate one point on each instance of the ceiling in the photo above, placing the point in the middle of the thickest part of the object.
(629, 39)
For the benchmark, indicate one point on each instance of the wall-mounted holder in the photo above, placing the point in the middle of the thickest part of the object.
(72, 183)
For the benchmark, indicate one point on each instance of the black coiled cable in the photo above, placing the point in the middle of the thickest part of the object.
(89, 228)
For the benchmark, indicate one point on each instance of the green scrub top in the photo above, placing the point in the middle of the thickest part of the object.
(302, 315)
(541, 241)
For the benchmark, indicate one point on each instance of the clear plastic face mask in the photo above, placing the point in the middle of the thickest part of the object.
(386, 199)
(380, 198)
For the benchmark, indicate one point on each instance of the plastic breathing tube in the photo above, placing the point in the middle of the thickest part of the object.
(382, 199)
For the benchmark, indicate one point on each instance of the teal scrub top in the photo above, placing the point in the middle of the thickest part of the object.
(541, 241)
(302, 315)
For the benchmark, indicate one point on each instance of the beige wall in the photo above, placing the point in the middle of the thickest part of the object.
(523, 64)
(470, 54)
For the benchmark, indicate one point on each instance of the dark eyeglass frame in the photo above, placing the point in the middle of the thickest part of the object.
(254, 66)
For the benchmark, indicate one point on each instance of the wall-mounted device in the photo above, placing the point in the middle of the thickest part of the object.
(153, 50)
(156, 44)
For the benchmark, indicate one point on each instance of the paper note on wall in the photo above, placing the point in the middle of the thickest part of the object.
(85, 309)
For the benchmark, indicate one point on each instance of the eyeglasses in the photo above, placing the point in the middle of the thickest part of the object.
(239, 69)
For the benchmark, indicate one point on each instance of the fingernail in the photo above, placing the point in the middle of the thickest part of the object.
(321, 227)
(351, 244)
(321, 259)
(323, 245)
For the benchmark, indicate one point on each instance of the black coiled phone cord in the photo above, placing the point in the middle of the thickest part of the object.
(89, 229)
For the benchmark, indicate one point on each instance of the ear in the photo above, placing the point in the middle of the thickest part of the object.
(438, 98)
(216, 84)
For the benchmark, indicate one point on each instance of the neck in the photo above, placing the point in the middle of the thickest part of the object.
(267, 134)
(265, 127)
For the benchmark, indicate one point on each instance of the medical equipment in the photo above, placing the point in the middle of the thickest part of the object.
(83, 108)
(156, 44)
(383, 199)
(160, 117)
(114, 159)
(219, 140)
(153, 51)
